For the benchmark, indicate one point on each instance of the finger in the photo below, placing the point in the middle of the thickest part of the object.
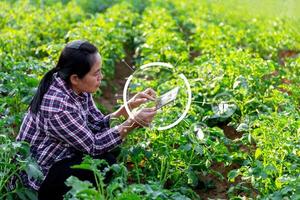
(151, 92)
(143, 123)
(149, 110)
(140, 100)
(139, 120)
(137, 102)
(144, 95)
(151, 114)
(153, 111)
(136, 96)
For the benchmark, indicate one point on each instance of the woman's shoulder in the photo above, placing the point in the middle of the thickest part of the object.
(56, 100)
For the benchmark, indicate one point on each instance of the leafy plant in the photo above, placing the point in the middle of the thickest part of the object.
(14, 160)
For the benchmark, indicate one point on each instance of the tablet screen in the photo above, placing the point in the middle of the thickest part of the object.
(167, 98)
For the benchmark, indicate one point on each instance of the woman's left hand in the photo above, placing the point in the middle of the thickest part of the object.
(135, 101)
(142, 97)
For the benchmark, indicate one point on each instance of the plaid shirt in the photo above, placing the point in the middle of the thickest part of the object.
(65, 123)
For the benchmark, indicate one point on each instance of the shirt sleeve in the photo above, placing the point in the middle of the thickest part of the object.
(97, 121)
(69, 127)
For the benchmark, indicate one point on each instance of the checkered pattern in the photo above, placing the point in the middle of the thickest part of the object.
(65, 123)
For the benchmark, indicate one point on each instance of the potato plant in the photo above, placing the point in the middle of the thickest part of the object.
(240, 138)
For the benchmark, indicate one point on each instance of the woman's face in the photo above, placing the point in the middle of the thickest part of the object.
(91, 81)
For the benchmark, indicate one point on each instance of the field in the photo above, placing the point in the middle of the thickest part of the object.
(241, 58)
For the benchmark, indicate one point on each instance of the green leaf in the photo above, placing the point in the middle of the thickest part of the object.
(242, 127)
(186, 147)
(232, 175)
(31, 194)
(192, 178)
(128, 196)
(278, 183)
(21, 195)
(81, 189)
(258, 153)
(33, 171)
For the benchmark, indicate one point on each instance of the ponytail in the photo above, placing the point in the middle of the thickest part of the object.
(42, 89)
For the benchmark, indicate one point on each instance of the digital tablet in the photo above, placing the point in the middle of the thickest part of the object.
(167, 98)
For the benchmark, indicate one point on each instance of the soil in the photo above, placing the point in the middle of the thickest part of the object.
(218, 187)
(214, 187)
(114, 89)
(284, 54)
(230, 132)
(193, 54)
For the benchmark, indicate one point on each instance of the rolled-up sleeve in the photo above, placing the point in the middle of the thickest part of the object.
(69, 127)
(97, 121)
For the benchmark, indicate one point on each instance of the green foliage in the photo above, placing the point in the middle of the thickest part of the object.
(243, 68)
(15, 158)
(95, 6)
(118, 187)
(109, 31)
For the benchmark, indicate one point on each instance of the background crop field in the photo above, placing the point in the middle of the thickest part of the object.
(242, 59)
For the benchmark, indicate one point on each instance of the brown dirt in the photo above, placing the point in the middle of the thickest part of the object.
(193, 54)
(283, 90)
(272, 74)
(249, 149)
(284, 54)
(221, 186)
(130, 166)
(230, 132)
(219, 190)
(284, 81)
(114, 89)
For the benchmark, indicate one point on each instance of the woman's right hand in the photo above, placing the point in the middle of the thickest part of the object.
(145, 116)
(142, 118)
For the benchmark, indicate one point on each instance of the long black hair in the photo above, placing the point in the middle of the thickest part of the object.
(76, 58)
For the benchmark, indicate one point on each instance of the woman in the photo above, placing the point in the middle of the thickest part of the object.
(63, 122)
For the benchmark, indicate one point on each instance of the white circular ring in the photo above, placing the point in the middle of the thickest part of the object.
(188, 105)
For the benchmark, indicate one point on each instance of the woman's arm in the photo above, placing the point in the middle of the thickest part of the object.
(120, 112)
(70, 127)
(96, 117)
(127, 127)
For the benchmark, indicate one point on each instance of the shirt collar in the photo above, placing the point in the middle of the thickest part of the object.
(63, 85)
